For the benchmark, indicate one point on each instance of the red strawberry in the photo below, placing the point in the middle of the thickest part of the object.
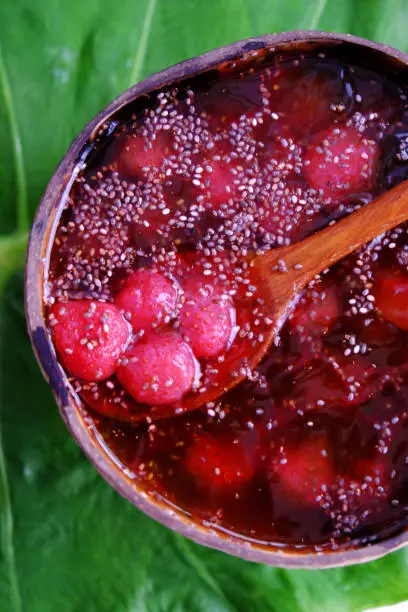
(359, 378)
(360, 492)
(316, 384)
(151, 230)
(207, 317)
(152, 220)
(316, 312)
(282, 157)
(289, 213)
(139, 154)
(331, 380)
(192, 264)
(218, 462)
(308, 100)
(391, 293)
(219, 182)
(341, 162)
(148, 299)
(157, 220)
(159, 369)
(89, 337)
(110, 400)
(306, 471)
(228, 98)
(371, 474)
(378, 333)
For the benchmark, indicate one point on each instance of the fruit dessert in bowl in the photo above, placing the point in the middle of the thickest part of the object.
(145, 316)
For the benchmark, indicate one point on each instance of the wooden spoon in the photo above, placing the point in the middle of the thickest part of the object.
(281, 274)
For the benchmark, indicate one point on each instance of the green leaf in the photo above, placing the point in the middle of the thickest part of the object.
(68, 541)
(12, 253)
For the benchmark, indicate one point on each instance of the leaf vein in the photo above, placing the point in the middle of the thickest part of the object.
(317, 15)
(6, 523)
(144, 39)
(22, 201)
(202, 571)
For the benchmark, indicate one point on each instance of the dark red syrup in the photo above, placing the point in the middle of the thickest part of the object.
(311, 450)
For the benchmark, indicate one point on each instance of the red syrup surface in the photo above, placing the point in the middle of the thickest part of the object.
(311, 450)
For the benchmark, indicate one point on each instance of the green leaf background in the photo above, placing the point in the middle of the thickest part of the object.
(68, 542)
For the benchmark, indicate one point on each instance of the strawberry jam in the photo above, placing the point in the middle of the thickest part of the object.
(149, 298)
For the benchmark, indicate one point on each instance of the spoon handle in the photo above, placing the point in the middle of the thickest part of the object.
(336, 241)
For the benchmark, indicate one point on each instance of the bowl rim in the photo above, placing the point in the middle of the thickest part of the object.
(68, 402)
